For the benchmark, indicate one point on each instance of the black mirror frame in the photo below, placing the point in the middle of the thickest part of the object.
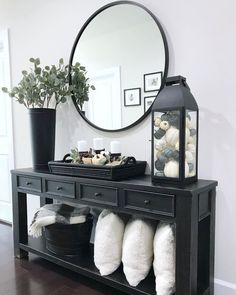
(165, 69)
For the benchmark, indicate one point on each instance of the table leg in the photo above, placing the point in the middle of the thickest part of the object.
(20, 230)
(212, 241)
(186, 244)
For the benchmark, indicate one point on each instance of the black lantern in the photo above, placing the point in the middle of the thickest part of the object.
(175, 134)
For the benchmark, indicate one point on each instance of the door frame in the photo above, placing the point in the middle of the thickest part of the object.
(116, 104)
(4, 39)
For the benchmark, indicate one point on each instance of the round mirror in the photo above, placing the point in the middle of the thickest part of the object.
(125, 53)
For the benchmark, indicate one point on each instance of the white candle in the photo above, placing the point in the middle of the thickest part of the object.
(82, 146)
(115, 147)
(98, 144)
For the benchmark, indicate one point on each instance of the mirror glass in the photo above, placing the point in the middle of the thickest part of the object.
(124, 51)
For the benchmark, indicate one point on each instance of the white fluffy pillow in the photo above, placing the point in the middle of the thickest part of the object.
(108, 242)
(137, 255)
(164, 259)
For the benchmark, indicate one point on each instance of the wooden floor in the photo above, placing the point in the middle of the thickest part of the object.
(35, 276)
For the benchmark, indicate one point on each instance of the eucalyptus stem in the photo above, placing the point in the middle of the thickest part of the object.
(38, 86)
(48, 101)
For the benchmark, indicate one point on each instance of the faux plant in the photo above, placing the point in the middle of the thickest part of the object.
(49, 86)
(80, 86)
(75, 155)
(78, 158)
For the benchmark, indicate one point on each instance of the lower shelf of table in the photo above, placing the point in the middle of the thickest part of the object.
(84, 265)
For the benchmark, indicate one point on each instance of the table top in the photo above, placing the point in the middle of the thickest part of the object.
(140, 181)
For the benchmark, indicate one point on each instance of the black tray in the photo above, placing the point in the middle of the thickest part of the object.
(130, 169)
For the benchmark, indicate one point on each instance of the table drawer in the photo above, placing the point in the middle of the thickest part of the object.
(161, 204)
(60, 188)
(29, 183)
(99, 194)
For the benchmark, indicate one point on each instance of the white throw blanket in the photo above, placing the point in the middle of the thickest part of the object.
(56, 213)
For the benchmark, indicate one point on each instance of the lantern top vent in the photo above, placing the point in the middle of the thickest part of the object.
(175, 94)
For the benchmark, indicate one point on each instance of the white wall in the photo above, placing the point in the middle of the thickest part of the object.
(201, 37)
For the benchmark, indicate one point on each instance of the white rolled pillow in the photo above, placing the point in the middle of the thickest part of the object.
(137, 253)
(108, 242)
(164, 259)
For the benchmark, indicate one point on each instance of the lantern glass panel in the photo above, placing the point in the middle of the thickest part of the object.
(166, 143)
(191, 143)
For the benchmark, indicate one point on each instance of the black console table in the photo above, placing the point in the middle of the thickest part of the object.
(191, 208)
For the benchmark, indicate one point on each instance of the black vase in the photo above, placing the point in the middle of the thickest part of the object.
(43, 126)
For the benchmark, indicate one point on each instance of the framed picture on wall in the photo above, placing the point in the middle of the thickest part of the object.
(148, 100)
(152, 81)
(132, 97)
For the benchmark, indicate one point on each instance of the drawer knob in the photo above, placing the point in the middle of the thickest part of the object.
(146, 202)
(28, 183)
(59, 188)
(97, 194)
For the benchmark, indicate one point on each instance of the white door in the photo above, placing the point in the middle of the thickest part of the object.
(104, 105)
(6, 137)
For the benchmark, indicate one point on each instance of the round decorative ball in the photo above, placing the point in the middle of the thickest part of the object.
(165, 117)
(162, 159)
(172, 136)
(171, 169)
(175, 155)
(160, 144)
(157, 122)
(174, 120)
(193, 132)
(192, 173)
(159, 165)
(190, 139)
(99, 160)
(189, 157)
(164, 125)
(191, 148)
(167, 152)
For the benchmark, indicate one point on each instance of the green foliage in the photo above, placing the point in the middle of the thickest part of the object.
(49, 86)
(75, 156)
(79, 84)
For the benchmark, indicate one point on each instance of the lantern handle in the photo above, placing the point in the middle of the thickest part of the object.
(177, 80)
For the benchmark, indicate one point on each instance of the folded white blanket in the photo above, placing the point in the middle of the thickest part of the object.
(56, 213)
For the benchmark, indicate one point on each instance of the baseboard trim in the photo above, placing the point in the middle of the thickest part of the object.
(224, 288)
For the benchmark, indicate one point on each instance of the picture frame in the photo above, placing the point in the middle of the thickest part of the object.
(148, 100)
(152, 81)
(132, 97)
